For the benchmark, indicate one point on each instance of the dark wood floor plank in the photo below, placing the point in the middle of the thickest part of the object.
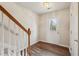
(53, 48)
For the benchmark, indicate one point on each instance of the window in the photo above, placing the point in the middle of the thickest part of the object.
(53, 24)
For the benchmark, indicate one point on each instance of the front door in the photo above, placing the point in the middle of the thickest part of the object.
(74, 29)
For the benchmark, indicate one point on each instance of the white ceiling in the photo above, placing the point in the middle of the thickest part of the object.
(37, 7)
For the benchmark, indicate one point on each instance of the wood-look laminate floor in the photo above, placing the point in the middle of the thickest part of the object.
(45, 49)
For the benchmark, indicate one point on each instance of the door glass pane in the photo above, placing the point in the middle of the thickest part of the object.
(25, 39)
(19, 41)
(6, 34)
(17, 37)
(12, 39)
(1, 35)
(25, 43)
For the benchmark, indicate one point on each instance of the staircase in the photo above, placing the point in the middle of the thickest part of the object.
(10, 18)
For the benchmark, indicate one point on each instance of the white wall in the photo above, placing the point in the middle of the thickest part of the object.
(26, 17)
(61, 35)
(40, 29)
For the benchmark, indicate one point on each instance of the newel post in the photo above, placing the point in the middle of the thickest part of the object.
(29, 47)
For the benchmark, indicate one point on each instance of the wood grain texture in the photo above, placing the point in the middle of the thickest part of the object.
(20, 25)
(29, 47)
(55, 49)
(12, 18)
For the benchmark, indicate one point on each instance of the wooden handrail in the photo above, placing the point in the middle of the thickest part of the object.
(29, 48)
(12, 18)
(15, 21)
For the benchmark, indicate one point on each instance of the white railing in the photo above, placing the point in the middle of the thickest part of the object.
(14, 38)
